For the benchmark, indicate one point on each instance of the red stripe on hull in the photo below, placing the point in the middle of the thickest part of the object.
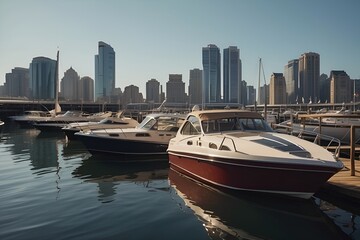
(283, 178)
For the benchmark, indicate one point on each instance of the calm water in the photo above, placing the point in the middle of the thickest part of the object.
(51, 189)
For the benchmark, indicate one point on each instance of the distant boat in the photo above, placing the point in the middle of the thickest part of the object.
(151, 137)
(116, 120)
(29, 117)
(335, 124)
(58, 122)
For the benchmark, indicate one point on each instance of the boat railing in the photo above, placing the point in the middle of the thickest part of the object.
(225, 147)
(328, 142)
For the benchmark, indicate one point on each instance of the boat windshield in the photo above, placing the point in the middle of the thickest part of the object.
(235, 124)
(161, 123)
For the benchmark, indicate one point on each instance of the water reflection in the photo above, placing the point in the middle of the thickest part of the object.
(28, 144)
(254, 216)
(343, 212)
(107, 173)
(74, 149)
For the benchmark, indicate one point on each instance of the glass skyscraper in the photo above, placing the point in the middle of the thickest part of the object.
(309, 77)
(42, 78)
(211, 74)
(291, 74)
(195, 86)
(153, 91)
(104, 72)
(232, 75)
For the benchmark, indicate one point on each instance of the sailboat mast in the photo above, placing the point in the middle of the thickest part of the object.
(57, 106)
(259, 82)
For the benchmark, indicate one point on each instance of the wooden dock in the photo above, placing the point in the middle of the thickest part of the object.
(343, 184)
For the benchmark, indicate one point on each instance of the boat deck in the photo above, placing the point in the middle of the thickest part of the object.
(343, 184)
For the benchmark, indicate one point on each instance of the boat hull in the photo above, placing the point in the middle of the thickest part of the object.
(70, 133)
(284, 178)
(118, 146)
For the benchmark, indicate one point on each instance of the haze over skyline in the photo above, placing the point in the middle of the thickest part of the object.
(153, 39)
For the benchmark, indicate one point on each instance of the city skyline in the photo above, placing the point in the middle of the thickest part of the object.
(153, 40)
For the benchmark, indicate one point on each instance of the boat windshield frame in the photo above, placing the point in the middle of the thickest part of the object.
(161, 123)
(235, 124)
(218, 123)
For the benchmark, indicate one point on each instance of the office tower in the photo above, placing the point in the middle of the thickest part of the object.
(291, 74)
(131, 95)
(309, 76)
(17, 82)
(2, 91)
(263, 91)
(340, 87)
(277, 89)
(195, 86)
(104, 72)
(153, 91)
(232, 76)
(355, 89)
(162, 94)
(42, 78)
(243, 93)
(251, 95)
(86, 89)
(211, 74)
(69, 85)
(324, 89)
(175, 89)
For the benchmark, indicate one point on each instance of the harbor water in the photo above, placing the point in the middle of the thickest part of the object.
(54, 189)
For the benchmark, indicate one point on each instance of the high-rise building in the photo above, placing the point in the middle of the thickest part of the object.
(17, 83)
(291, 74)
(211, 74)
(263, 94)
(195, 86)
(86, 89)
(232, 87)
(153, 91)
(131, 95)
(175, 89)
(309, 77)
(69, 85)
(324, 89)
(251, 95)
(243, 93)
(277, 89)
(42, 78)
(340, 87)
(104, 72)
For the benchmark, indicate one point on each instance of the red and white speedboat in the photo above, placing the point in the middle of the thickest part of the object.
(236, 149)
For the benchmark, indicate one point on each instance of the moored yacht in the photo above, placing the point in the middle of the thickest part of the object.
(237, 150)
(150, 137)
(335, 124)
(29, 117)
(58, 122)
(116, 120)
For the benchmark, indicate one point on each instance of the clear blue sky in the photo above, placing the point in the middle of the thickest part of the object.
(155, 38)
